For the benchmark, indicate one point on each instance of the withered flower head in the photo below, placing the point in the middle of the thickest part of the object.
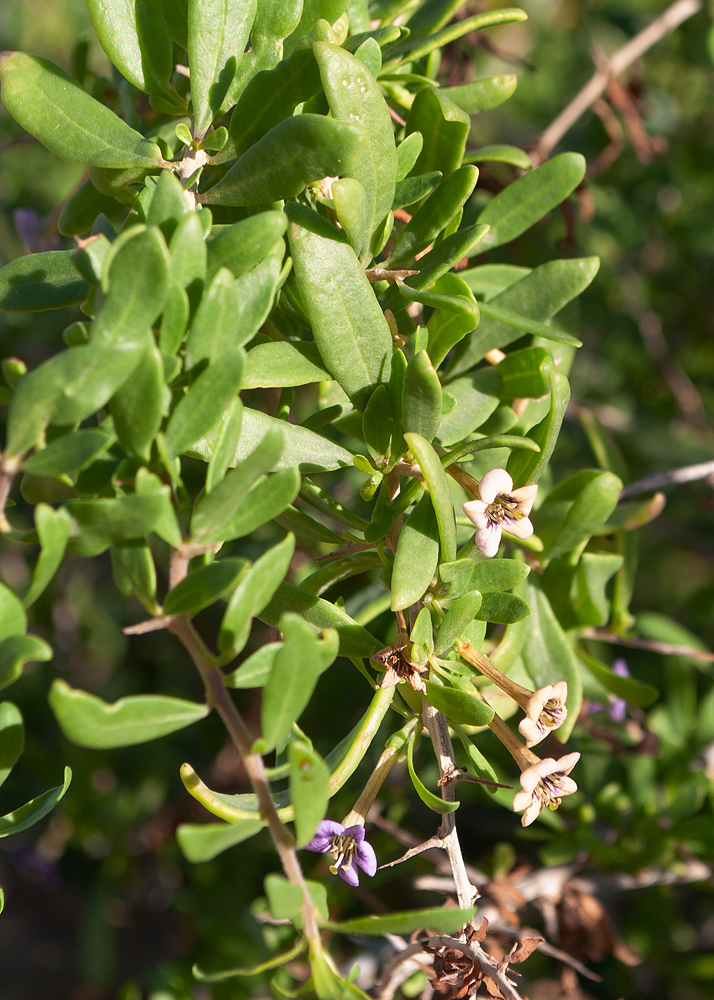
(399, 667)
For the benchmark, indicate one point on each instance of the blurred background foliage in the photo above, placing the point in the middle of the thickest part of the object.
(100, 903)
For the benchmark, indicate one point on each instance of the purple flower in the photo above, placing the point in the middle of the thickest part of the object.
(617, 707)
(500, 508)
(347, 846)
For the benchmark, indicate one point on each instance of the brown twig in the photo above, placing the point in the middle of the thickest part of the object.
(218, 697)
(663, 648)
(673, 477)
(624, 57)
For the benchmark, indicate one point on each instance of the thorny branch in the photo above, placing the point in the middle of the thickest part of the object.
(667, 22)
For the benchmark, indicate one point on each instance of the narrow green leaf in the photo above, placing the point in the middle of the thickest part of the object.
(205, 841)
(459, 614)
(434, 216)
(354, 640)
(102, 522)
(528, 199)
(352, 210)
(548, 656)
(217, 34)
(137, 406)
(200, 409)
(416, 557)
(421, 397)
(276, 962)
(13, 620)
(523, 324)
(527, 467)
(414, 49)
(82, 208)
(168, 204)
(283, 363)
(498, 574)
(348, 325)
(503, 609)
(430, 800)
(134, 571)
(445, 128)
(265, 502)
(137, 41)
(40, 281)
(463, 707)
(355, 97)
(12, 738)
(408, 153)
(35, 810)
(255, 671)
(53, 107)
(87, 721)
(309, 792)
(500, 153)
(633, 691)
(595, 570)
(215, 511)
(68, 453)
(252, 594)
(188, 258)
(296, 669)
(293, 154)
(244, 244)
(438, 919)
(66, 389)
(484, 94)
(203, 586)
(438, 484)
(16, 651)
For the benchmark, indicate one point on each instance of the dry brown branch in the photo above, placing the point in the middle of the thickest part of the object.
(664, 648)
(667, 22)
(658, 480)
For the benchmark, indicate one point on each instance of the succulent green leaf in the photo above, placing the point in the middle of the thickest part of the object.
(134, 571)
(215, 511)
(252, 594)
(459, 614)
(217, 34)
(526, 466)
(484, 94)
(421, 397)
(16, 651)
(137, 41)
(53, 528)
(354, 640)
(355, 97)
(255, 671)
(498, 574)
(503, 609)
(348, 325)
(188, 259)
(12, 738)
(40, 281)
(205, 841)
(69, 452)
(53, 107)
(434, 215)
(444, 127)
(548, 656)
(408, 153)
(352, 209)
(462, 707)
(309, 792)
(244, 244)
(633, 691)
(437, 919)
(500, 153)
(283, 363)
(88, 721)
(29, 814)
(436, 480)
(416, 557)
(102, 522)
(137, 406)
(198, 412)
(290, 156)
(595, 570)
(433, 802)
(528, 199)
(296, 669)
(576, 508)
(203, 586)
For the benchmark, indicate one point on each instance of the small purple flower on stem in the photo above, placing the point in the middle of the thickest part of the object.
(617, 707)
(347, 846)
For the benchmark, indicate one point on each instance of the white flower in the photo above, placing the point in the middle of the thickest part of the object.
(501, 508)
(545, 711)
(545, 783)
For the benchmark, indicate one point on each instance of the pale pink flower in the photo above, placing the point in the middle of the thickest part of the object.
(545, 711)
(545, 783)
(501, 508)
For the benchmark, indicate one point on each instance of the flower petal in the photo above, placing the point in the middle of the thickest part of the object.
(532, 812)
(475, 510)
(356, 832)
(532, 732)
(488, 539)
(366, 859)
(525, 496)
(518, 527)
(326, 830)
(566, 764)
(494, 482)
(521, 800)
(349, 874)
